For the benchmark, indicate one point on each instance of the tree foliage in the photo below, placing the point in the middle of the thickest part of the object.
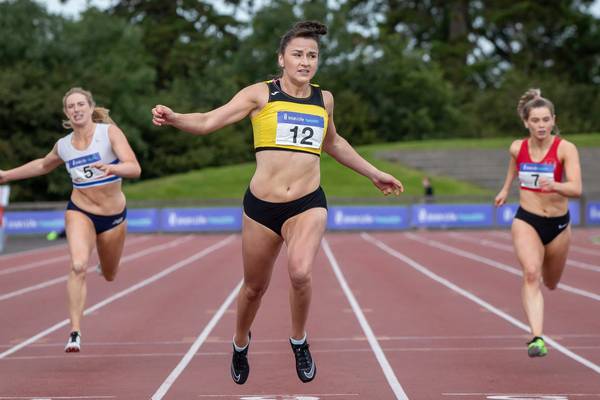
(398, 69)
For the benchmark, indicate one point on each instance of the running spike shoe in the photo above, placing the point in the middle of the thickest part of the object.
(305, 366)
(536, 347)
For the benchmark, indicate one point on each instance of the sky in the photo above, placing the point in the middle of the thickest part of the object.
(72, 8)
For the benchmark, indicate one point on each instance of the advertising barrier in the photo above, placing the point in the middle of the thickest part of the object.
(201, 219)
(143, 220)
(452, 215)
(592, 213)
(227, 219)
(367, 218)
(30, 222)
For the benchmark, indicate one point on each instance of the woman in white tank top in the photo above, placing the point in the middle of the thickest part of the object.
(97, 155)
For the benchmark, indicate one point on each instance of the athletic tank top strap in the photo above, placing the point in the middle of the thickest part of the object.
(553, 152)
(277, 94)
(523, 155)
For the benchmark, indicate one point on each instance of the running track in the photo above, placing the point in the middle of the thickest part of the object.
(402, 315)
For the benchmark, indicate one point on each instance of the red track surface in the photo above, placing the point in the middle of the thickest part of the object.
(419, 315)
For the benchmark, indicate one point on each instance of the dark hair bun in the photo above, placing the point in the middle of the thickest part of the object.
(310, 27)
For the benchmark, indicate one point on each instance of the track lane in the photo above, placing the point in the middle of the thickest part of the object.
(531, 376)
(160, 317)
(346, 365)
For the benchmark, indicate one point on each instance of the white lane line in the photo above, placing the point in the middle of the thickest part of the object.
(55, 397)
(342, 339)
(51, 282)
(379, 354)
(415, 265)
(33, 264)
(308, 396)
(166, 385)
(504, 247)
(495, 264)
(339, 350)
(585, 250)
(525, 396)
(31, 251)
(40, 263)
(123, 293)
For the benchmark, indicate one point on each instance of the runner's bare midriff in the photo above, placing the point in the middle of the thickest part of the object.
(544, 204)
(100, 200)
(283, 176)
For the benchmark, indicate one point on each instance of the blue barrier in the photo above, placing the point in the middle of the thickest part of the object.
(143, 220)
(201, 219)
(339, 218)
(452, 216)
(29, 222)
(367, 218)
(592, 213)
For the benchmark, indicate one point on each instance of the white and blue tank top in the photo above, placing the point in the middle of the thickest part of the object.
(79, 162)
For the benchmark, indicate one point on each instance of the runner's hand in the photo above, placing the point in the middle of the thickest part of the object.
(388, 184)
(162, 115)
(105, 168)
(500, 199)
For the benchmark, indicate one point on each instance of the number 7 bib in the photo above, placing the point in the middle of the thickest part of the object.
(298, 129)
(531, 173)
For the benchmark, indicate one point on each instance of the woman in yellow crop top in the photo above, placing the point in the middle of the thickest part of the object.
(292, 121)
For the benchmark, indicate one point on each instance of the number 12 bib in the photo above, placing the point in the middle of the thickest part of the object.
(297, 129)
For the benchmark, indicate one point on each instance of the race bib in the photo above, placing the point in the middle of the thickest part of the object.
(531, 173)
(81, 170)
(298, 129)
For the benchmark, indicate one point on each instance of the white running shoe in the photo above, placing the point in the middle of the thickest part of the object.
(74, 343)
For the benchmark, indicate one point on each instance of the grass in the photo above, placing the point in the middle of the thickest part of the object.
(230, 182)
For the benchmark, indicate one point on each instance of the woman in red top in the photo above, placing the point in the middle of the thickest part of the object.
(541, 232)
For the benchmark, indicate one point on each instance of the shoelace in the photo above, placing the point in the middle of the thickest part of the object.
(303, 356)
(74, 336)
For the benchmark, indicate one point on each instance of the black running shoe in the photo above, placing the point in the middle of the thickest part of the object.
(240, 369)
(305, 366)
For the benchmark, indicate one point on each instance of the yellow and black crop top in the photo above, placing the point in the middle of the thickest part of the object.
(291, 123)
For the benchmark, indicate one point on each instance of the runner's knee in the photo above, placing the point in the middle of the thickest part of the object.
(300, 276)
(79, 267)
(254, 292)
(531, 276)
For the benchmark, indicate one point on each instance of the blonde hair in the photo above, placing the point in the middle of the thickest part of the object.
(100, 114)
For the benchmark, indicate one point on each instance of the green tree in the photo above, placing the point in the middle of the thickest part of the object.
(50, 54)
